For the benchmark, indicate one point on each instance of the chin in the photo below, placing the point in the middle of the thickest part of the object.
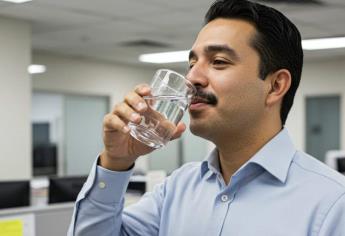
(199, 120)
(198, 128)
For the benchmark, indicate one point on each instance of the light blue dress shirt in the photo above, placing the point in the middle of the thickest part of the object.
(279, 191)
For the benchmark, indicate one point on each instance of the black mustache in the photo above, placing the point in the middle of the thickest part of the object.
(209, 97)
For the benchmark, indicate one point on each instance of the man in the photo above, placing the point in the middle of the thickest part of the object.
(246, 63)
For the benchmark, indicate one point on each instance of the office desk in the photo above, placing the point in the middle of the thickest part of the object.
(52, 220)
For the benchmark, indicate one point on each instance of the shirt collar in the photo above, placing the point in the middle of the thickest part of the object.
(211, 164)
(275, 157)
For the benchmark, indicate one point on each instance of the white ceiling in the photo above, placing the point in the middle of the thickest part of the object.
(98, 29)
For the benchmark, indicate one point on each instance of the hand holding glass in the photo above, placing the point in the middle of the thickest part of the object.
(170, 96)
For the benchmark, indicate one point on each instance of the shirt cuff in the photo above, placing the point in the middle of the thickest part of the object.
(109, 186)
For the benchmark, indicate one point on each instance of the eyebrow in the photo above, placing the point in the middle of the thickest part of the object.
(211, 49)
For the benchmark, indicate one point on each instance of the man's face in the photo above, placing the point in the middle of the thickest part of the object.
(224, 68)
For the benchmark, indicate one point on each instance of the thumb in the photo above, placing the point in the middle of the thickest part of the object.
(180, 128)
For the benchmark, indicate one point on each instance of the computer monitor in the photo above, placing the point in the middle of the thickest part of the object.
(341, 164)
(45, 152)
(14, 194)
(40, 133)
(136, 187)
(336, 160)
(45, 159)
(65, 189)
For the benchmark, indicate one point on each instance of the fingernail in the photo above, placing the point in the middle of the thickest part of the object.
(135, 117)
(125, 129)
(141, 106)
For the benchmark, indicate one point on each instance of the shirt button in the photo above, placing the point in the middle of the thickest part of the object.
(224, 198)
(101, 185)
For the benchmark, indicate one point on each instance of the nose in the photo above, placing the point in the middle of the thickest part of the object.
(197, 75)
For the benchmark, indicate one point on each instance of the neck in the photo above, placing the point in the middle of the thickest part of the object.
(236, 150)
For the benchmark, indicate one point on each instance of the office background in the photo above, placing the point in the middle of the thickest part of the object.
(91, 54)
(50, 123)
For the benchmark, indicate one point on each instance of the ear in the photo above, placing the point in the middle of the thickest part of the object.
(279, 84)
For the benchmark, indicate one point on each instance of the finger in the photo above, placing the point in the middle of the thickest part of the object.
(113, 123)
(124, 111)
(136, 101)
(180, 128)
(142, 89)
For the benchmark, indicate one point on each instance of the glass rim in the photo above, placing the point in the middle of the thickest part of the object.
(189, 84)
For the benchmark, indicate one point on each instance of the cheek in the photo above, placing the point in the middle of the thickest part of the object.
(242, 97)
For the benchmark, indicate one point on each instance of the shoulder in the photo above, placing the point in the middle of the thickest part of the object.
(325, 189)
(314, 172)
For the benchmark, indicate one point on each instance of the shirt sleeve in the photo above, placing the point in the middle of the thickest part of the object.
(99, 209)
(334, 223)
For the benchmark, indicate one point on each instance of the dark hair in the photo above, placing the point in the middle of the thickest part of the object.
(277, 41)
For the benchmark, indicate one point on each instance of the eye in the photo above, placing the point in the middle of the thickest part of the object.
(220, 62)
(190, 65)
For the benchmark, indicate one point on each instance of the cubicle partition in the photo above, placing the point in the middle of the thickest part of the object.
(46, 207)
(25, 209)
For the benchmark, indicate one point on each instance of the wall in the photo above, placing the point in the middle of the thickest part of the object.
(326, 77)
(15, 99)
(70, 75)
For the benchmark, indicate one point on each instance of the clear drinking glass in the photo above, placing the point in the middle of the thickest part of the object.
(170, 96)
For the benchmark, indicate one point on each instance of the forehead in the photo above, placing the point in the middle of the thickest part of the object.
(234, 33)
